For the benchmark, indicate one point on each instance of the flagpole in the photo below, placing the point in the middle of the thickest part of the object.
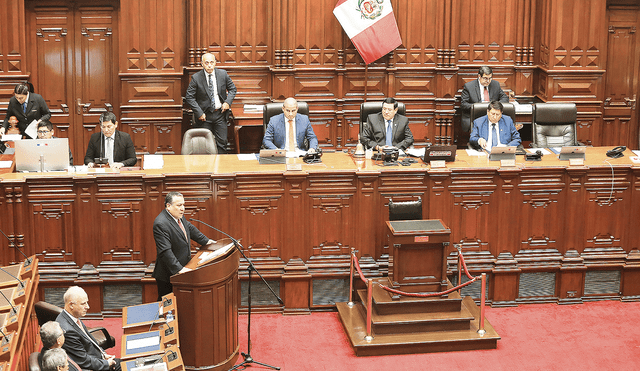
(366, 80)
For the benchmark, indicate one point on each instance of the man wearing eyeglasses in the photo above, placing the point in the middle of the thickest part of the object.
(484, 89)
(52, 337)
(494, 129)
(24, 108)
(45, 131)
(79, 344)
(113, 145)
(387, 128)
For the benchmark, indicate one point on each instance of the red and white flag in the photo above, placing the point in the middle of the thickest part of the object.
(370, 25)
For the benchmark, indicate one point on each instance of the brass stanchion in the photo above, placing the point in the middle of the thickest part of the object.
(369, 336)
(481, 330)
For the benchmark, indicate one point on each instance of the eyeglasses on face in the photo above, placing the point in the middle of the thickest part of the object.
(43, 132)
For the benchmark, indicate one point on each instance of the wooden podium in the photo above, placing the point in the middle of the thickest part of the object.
(207, 299)
(418, 261)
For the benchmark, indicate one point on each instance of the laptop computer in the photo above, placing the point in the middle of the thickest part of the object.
(502, 153)
(439, 153)
(569, 152)
(53, 152)
(272, 156)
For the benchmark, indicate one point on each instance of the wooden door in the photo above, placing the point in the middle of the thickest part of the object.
(74, 64)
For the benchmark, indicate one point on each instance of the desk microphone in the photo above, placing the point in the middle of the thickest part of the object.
(14, 310)
(19, 280)
(5, 339)
(28, 260)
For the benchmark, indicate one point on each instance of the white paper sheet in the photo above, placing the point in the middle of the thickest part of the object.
(143, 343)
(11, 137)
(32, 129)
(247, 156)
(153, 161)
(5, 164)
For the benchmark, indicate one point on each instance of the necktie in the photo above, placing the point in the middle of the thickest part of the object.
(109, 149)
(211, 90)
(486, 94)
(292, 137)
(494, 136)
(183, 230)
(89, 337)
(389, 135)
(24, 107)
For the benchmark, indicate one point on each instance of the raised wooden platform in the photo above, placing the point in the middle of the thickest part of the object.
(415, 325)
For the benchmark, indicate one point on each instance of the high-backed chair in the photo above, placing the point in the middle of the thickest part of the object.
(271, 109)
(554, 125)
(368, 108)
(46, 312)
(199, 141)
(480, 109)
(405, 210)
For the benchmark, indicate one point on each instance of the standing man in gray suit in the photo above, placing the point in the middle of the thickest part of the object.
(484, 89)
(387, 128)
(209, 95)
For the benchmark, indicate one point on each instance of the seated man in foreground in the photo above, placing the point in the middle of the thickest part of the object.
(291, 135)
(79, 344)
(387, 128)
(494, 129)
(114, 145)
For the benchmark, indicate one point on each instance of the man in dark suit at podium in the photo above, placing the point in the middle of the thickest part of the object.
(79, 344)
(173, 233)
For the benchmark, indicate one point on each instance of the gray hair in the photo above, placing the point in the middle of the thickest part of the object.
(54, 358)
(49, 333)
(73, 293)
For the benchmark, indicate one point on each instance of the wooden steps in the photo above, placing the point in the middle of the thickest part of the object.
(415, 325)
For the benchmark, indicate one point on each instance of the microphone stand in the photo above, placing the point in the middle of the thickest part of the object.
(250, 268)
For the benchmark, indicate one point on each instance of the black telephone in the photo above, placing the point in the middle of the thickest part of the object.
(533, 156)
(616, 152)
(313, 158)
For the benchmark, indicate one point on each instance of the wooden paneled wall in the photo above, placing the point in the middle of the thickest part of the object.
(583, 51)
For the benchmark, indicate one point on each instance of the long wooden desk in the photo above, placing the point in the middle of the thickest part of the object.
(543, 231)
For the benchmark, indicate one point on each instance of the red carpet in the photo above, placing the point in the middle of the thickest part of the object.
(592, 336)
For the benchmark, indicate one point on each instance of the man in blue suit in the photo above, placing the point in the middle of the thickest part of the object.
(280, 134)
(494, 129)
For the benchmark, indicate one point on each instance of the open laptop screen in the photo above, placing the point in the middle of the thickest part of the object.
(54, 153)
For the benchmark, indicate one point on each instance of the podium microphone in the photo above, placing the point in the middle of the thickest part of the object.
(19, 280)
(215, 229)
(28, 260)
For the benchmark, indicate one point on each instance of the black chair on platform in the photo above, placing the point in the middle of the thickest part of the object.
(368, 108)
(271, 109)
(554, 125)
(199, 141)
(405, 210)
(46, 312)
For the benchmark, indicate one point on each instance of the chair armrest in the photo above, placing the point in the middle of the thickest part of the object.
(101, 334)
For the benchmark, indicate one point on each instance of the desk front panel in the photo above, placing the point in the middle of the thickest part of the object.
(570, 230)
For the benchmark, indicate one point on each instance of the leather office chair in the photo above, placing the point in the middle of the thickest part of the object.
(271, 109)
(405, 210)
(480, 109)
(46, 312)
(33, 361)
(368, 108)
(199, 141)
(554, 125)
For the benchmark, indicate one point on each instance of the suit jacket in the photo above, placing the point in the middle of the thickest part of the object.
(36, 109)
(72, 366)
(198, 96)
(506, 130)
(78, 346)
(123, 149)
(172, 248)
(471, 94)
(375, 132)
(275, 136)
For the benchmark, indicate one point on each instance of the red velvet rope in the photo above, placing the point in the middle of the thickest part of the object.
(418, 295)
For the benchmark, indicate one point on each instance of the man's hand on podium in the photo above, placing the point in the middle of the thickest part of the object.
(184, 270)
(211, 242)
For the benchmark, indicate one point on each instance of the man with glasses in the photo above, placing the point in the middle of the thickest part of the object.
(387, 128)
(45, 131)
(24, 108)
(494, 129)
(484, 89)
(111, 144)
(209, 95)
(52, 337)
(79, 344)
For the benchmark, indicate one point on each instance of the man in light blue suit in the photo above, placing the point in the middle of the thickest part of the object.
(281, 128)
(494, 129)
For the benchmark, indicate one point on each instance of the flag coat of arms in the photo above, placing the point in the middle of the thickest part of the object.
(370, 25)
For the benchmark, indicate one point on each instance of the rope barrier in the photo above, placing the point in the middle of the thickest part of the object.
(418, 295)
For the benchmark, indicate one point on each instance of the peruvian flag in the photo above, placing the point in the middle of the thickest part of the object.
(370, 25)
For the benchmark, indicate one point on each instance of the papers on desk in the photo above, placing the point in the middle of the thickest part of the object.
(416, 152)
(150, 341)
(210, 255)
(542, 150)
(637, 152)
(5, 164)
(11, 137)
(295, 154)
(153, 162)
(247, 156)
(253, 108)
(473, 152)
(522, 108)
